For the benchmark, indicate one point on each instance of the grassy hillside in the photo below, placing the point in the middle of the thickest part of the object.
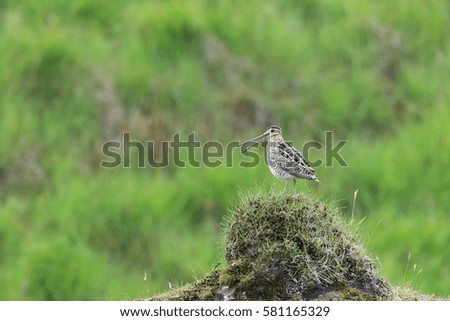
(76, 74)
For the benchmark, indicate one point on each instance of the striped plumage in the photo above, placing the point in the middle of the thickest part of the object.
(284, 161)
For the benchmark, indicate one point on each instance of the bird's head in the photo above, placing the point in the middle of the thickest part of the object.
(273, 134)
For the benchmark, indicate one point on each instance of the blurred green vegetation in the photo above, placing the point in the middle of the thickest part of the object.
(75, 74)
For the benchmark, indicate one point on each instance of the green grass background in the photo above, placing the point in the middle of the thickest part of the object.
(75, 74)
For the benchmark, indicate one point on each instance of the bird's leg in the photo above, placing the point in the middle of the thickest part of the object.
(293, 184)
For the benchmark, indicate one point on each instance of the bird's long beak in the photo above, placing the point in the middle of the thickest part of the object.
(252, 142)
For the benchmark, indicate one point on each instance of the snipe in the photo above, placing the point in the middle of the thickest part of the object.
(284, 161)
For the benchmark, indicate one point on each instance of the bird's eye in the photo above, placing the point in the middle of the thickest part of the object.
(272, 130)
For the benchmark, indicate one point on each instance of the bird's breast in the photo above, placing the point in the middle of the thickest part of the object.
(280, 173)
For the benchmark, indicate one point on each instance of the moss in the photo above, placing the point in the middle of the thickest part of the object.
(290, 246)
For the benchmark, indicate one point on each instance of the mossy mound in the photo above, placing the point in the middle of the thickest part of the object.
(303, 244)
(290, 246)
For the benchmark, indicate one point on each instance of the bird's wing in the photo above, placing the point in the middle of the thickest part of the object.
(293, 161)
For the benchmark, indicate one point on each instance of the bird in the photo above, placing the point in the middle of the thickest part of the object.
(284, 160)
